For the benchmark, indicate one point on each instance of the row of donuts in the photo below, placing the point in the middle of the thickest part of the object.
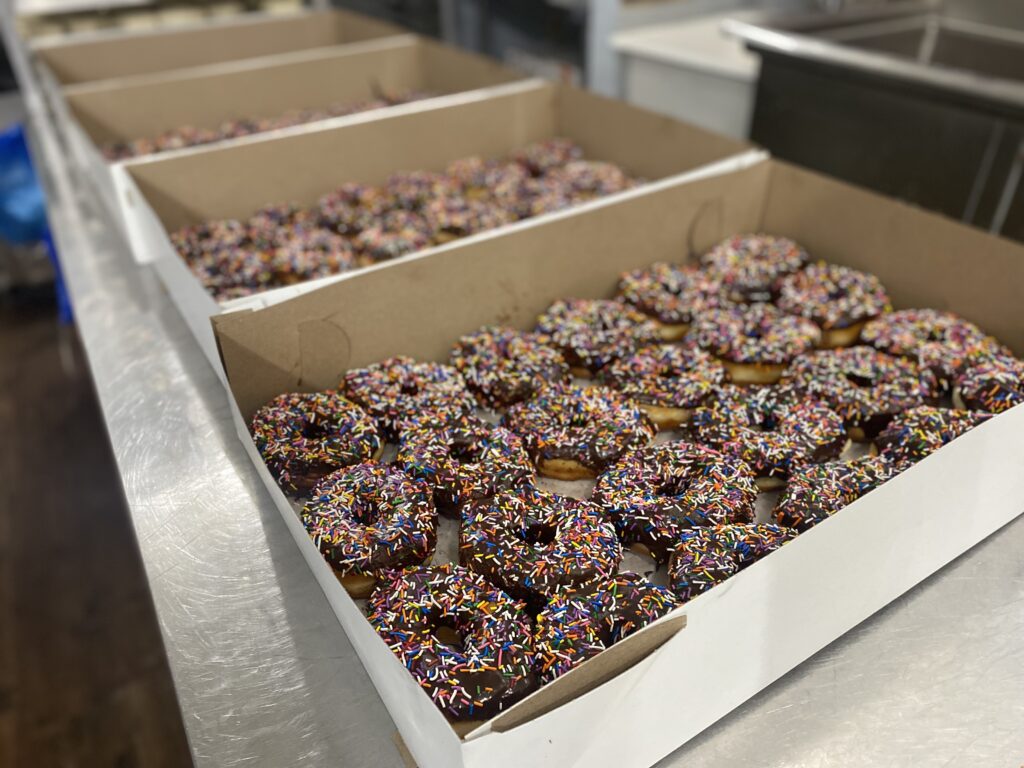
(357, 225)
(193, 136)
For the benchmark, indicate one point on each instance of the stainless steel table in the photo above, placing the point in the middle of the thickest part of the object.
(266, 677)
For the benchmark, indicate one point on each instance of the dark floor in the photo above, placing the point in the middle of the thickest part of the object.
(83, 676)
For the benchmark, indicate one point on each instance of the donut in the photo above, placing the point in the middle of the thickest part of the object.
(351, 208)
(916, 433)
(749, 266)
(453, 216)
(412, 190)
(754, 342)
(532, 543)
(541, 157)
(864, 386)
(579, 623)
(503, 366)
(395, 233)
(463, 459)
(941, 341)
(672, 295)
(587, 179)
(573, 433)
(399, 388)
(593, 332)
(368, 518)
(772, 429)
(815, 492)
(304, 436)
(666, 381)
(995, 385)
(305, 253)
(655, 494)
(705, 557)
(469, 645)
(838, 299)
(496, 180)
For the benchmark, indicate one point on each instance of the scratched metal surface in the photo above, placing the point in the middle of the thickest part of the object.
(266, 677)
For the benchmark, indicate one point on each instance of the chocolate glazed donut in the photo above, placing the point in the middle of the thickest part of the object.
(576, 432)
(463, 459)
(469, 645)
(531, 543)
(654, 495)
(304, 436)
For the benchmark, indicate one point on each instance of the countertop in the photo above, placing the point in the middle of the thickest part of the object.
(266, 677)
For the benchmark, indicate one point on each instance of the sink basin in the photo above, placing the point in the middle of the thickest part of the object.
(932, 39)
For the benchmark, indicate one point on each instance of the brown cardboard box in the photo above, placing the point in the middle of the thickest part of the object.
(145, 107)
(164, 194)
(631, 707)
(114, 55)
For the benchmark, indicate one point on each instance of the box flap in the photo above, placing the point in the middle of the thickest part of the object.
(591, 674)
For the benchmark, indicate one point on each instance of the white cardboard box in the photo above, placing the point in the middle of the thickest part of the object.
(159, 195)
(651, 693)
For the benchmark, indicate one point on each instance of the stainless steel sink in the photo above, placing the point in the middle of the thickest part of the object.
(933, 39)
(921, 100)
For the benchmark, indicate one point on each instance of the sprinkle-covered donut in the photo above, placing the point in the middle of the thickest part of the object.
(482, 179)
(531, 543)
(304, 436)
(543, 156)
(454, 216)
(351, 208)
(754, 342)
(672, 294)
(593, 332)
(414, 189)
(399, 388)
(485, 661)
(503, 366)
(667, 381)
(576, 432)
(306, 253)
(708, 556)
(916, 433)
(838, 299)
(772, 429)
(939, 340)
(463, 459)
(368, 518)
(392, 235)
(750, 265)
(586, 179)
(815, 492)
(994, 385)
(580, 623)
(864, 386)
(655, 494)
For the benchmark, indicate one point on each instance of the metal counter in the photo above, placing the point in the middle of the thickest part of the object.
(264, 674)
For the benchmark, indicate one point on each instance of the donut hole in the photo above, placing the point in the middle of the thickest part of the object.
(409, 388)
(447, 634)
(539, 534)
(316, 430)
(466, 451)
(860, 380)
(674, 487)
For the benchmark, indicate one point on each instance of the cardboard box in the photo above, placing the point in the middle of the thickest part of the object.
(161, 195)
(118, 54)
(146, 106)
(649, 694)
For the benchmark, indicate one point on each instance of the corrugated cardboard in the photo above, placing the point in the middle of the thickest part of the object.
(161, 195)
(144, 106)
(744, 634)
(120, 54)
